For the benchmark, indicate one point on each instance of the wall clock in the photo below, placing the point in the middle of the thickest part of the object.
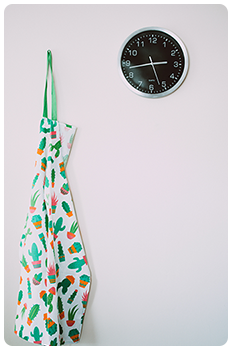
(153, 62)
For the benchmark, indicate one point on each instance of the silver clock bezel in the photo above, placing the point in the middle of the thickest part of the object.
(183, 76)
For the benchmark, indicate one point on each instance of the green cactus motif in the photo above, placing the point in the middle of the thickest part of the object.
(57, 147)
(35, 180)
(46, 224)
(49, 301)
(42, 145)
(21, 333)
(73, 229)
(72, 297)
(36, 335)
(34, 253)
(61, 254)
(53, 175)
(75, 248)
(74, 335)
(33, 200)
(33, 313)
(58, 227)
(66, 208)
(25, 264)
(50, 325)
(24, 237)
(37, 279)
(20, 297)
(43, 205)
(43, 164)
(72, 312)
(78, 264)
(23, 310)
(62, 342)
(65, 283)
(50, 159)
(29, 288)
(42, 238)
(37, 221)
(43, 296)
(46, 182)
(64, 189)
(60, 307)
(42, 129)
(53, 342)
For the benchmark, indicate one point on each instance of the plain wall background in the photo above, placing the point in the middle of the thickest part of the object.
(148, 176)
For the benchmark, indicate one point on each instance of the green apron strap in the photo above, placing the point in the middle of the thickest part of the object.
(53, 93)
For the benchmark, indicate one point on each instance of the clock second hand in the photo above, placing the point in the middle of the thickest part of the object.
(156, 76)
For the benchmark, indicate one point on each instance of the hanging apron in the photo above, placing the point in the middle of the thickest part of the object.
(55, 277)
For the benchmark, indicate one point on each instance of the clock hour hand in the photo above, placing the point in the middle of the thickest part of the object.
(148, 64)
(156, 75)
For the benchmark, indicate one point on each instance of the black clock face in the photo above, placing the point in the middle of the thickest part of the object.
(153, 62)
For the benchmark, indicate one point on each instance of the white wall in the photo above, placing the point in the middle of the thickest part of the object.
(148, 177)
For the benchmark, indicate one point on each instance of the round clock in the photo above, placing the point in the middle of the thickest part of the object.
(153, 62)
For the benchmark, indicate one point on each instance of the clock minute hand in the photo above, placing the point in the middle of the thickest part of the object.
(156, 76)
(148, 64)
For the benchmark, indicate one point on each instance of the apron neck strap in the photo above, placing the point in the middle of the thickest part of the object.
(53, 93)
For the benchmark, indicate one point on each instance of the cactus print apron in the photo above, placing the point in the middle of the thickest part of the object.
(55, 277)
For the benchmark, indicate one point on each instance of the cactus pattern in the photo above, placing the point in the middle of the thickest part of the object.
(50, 302)
(42, 129)
(46, 182)
(75, 248)
(50, 159)
(34, 253)
(74, 335)
(37, 278)
(50, 325)
(33, 313)
(53, 175)
(25, 264)
(57, 147)
(62, 169)
(53, 342)
(43, 164)
(21, 333)
(78, 264)
(66, 207)
(23, 310)
(29, 289)
(65, 283)
(60, 308)
(46, 224)
(20, 297)
(72, 297)
(24, 237)
(61, 254)
(42, 238)
(36, 335)
(58, 227)
(54, 276)
(41, 147)
(65, 189)
(35, 180)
